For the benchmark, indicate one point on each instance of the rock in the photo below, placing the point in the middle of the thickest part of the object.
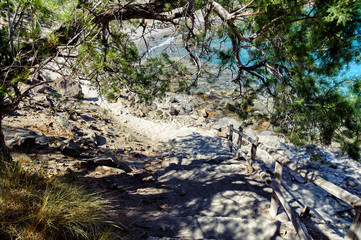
(173, 100)
(124, 93)
(203, 113)
(94, 127)
(70, 148)
(261, 126)
(124, 167)
(133, 97)
(67, 88)
(188, 108)
(210, 106)
(153, 107)
(173, 111)
(106, 170)
(86, 155)
(165, 115)
(42, 140)
(195, 117)
(225, 122)
(63, 124)
(182, 111)
(217, 127)
(335, 145)
(201, 121)
(159, 113)
(140, 113)
(351, 182)
(41, 89)
(224, 132)
(105, 160)
(150, 178)
(23, 141)
(145, 109)
(101, 140)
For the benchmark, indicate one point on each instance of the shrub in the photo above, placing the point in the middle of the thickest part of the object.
(33, 206)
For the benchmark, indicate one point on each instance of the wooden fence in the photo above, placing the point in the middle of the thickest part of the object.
(281, 161)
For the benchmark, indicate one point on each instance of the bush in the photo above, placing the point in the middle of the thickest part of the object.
(35, 207)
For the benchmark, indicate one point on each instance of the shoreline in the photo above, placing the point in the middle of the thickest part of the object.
(150, 38)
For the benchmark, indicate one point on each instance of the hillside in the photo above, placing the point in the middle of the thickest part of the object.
(172, 177)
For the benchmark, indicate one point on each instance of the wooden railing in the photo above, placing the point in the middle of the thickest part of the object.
(281, 161)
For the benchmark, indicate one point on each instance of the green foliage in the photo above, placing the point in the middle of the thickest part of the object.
(167, 7)
(291, 57)
(17, 43)
(115, 64)
(5, 53)
(319, 161)
(292, 52)
(244, 107)
(313, 114)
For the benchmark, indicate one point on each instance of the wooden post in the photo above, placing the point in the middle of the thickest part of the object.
(274, 199)
(239, 143)
(230, 138)
(253, 152)
(354, 233)
(253, 156)
(301, 231)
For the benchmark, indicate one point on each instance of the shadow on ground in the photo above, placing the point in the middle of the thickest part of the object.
(193, 189)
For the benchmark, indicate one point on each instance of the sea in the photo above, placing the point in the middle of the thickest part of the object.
(173, 47)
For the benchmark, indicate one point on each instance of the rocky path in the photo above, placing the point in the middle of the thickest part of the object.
(166, 178)
(193, 188)
(199, 192)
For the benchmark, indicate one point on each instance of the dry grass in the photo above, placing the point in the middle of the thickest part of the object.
(35, 207)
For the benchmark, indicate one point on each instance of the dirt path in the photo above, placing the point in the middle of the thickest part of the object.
(193, 188)
(167, 179)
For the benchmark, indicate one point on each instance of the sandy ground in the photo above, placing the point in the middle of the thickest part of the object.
(156, 130)
(195, 158)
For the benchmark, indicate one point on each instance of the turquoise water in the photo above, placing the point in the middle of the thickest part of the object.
(173, 47)
(353, 71)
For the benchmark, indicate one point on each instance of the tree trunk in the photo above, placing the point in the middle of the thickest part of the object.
(4, 151)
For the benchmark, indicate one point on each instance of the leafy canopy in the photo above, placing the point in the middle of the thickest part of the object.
(288, 51)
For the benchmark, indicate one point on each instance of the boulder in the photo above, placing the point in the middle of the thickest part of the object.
(145, 109)
(27, 141)
(67, 88)
(225, 122)
(173, 100)
(41, 89)
(222, 134)
(201, 121)
(203, 113)
(104, 160)
(173, 111)
(89, 138)
(22, 141)
(140, 113)
(109, 170)
(188, 108)
(70, 148)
